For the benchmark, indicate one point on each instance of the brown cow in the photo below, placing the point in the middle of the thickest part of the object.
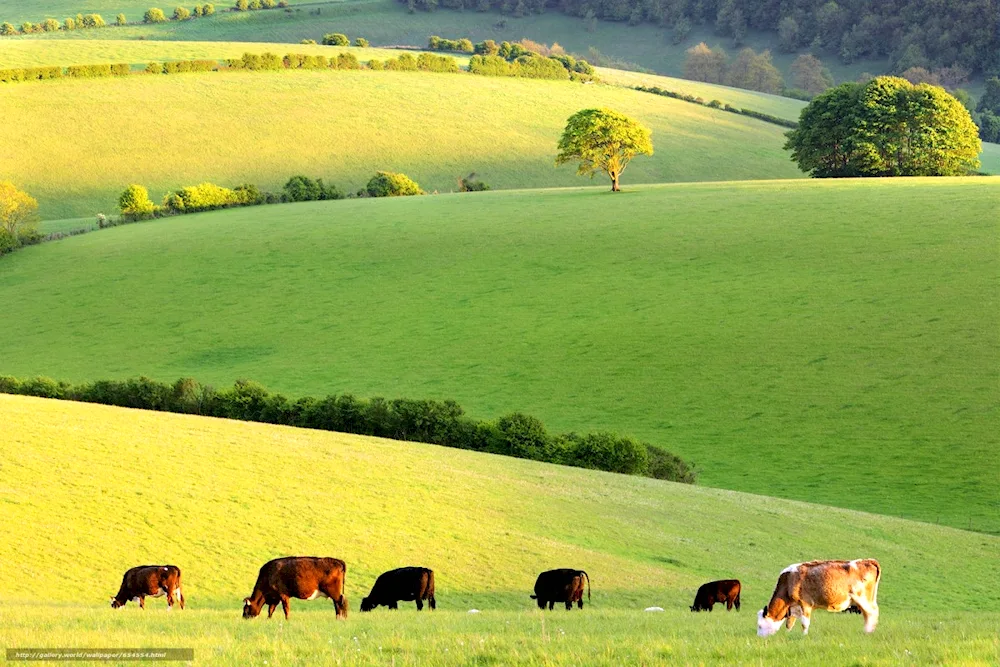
(724, 591)
(834, 585)
(563, 585)
(151, 580)
(302, 577)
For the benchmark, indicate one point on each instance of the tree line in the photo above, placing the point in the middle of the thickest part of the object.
(432, 421)
(911, 33)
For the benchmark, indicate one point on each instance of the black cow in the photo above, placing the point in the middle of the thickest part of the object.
(563, 585)
(152, 581)
(726, 591)
(405, 583)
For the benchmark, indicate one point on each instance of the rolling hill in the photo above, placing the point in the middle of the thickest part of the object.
(237, 127)
(219, 498)
(739, 325)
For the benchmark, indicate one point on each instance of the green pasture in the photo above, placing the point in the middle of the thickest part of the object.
(387, 22)
(831, 341)
(168, 131)
(224, 496)
(990, 158)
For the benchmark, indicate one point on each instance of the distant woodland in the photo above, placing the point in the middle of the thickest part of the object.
(912, 33)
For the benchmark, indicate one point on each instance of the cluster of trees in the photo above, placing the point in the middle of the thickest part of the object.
(18, 218)
(910, 32)
(717, 104)
(271, 61)
(81, 22)
(135, 204)
(157, 15)
(438, 422)
(530, 67)
(885, 127)
(525, 58)
(339, 39)
(750, 70)
(55, 72)
(988, 111)
(424, 62)
(255, 5)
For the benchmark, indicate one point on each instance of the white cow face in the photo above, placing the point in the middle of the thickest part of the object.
(765, 626)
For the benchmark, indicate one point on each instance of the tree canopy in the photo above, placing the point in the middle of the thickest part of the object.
(886, 127)
(603, 140)
(17, 209)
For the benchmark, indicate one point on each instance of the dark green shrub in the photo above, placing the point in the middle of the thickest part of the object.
(388, 184)
(7, 29)
(664, 465)
(303, 188)
(43, 387)
(346, 61)
(607, 451)
(715, 104)
(93, 21)
(248, 194)
(522, 436)
(402, 62)
(255, 5)
(486, 48)
(336, 39)
(471, 184)
(361, 42)
(429, 62)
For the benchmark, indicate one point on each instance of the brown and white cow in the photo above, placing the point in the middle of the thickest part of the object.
(302, 577)
(834, 585)
(152, 581)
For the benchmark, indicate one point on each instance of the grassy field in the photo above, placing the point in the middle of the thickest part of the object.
(262, 128)
(990, 158)
(486, 525)
(737, 324)
(387, 22)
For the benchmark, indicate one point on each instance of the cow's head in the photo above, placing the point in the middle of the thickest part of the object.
(251, 610)
(367, 604)
(115, 603)
(765, 625)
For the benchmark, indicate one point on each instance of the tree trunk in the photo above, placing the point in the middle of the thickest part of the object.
(614, 183)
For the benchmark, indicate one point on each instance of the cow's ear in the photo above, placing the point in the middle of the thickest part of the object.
(246, 600)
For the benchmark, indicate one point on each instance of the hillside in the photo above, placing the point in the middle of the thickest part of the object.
(486, 525)
(262, 128)
(736, 324)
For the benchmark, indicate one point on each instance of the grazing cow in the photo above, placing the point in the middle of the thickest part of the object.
(405, 583)
(564, 585)
(725, 591)
(834, 585)
(302, 577)
(151, 580)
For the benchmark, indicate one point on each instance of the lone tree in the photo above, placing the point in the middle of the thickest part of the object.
(603, 140)
(885, 127)
(18, 210)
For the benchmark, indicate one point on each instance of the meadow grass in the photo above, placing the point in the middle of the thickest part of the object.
(990, 158)
(387, 22)
(264, 127)
(802, 339)
(93, 490)
(596, 636)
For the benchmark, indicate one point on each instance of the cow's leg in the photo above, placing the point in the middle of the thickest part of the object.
(270, 609)
(170, 598)
(552, 605)
(393, 605)
(806, 620)
(789, 621)
(420, 604)
(284, 605)
(432, 602)
(870, 611)
(142, 602)
(579, 603)
(340, 605)
(569, 605)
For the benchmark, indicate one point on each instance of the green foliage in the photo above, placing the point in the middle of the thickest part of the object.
(154, 68)
(754, 71)
(603, 140)
(376, 64)
(886, 127)
(361, 42)
(303, 188)
(472, 183)
(121, 20)
(134, 203)
(336, 39)
(527, 66)
(121, 69)
(990, 101)
(809, 74)
(50, 25)
(204, 197)
(607, 451)
(428, 62)
(7, 29)
(402, 62)
(154, 15)
(69, 24)
(346, 61)
(18, 218)
(241, 5)
(389, 184)
(706, 64)
(181, 13)
(93, 21)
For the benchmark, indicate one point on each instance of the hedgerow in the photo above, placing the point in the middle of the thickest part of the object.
(432, 421)
(716, 104)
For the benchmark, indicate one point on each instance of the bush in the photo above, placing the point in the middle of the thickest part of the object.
(336, 39)
(121, 69)
(208, 9)
(388, 184)
(429, 62)
(7, 29)
(93, 21)
(303, 188)
(154, 15)
(50, 25)
(69, 24)
(607, 451)
(154, 68)
(376, 65)
(255, 5)
(241, 5)
(361, 42)
(402, 62)
(664, 465)
(181, 14)
(121, 20)
(471, 184)
(522, 436)
(134, 203)
(346, 61)
(204, 197)
(308, 41)
(268, 4)
(486, 48)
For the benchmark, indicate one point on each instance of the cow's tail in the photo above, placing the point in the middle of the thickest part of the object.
(878, 578)
(588, 584)
(533, 597)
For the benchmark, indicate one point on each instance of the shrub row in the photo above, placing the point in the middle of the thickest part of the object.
(716, 104)
(270, 61)
(11, 241)
(424, 62)
(255, 5)
(463, 45)
(73, 71)
(182, 66)
(517, 55)
(437, 422)
(81, 22)
(531, 67)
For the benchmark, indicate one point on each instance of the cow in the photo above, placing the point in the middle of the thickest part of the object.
(302, 577)
(834, 585)
(724, 591)
(563, 585)
(405, 583)
(151, 580)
